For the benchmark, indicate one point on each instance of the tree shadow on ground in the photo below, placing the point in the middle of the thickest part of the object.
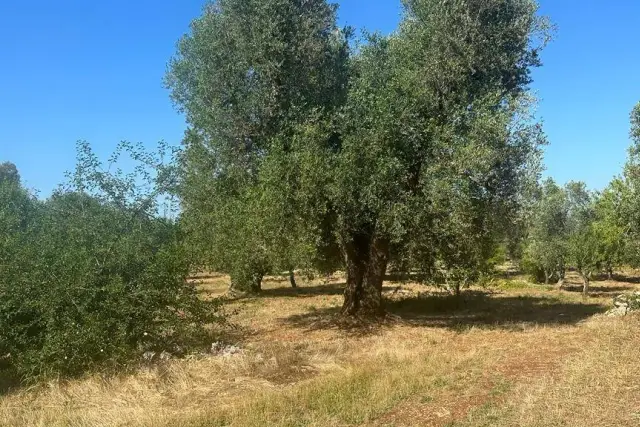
(599, 291)
(412, 276)
(628, 279)
(8, 381)
(304, 291)
(206, 276)
(474, 309)
(312, 291)
(507, 274)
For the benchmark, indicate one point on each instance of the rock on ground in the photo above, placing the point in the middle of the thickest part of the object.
(219, 348)
(624, 304)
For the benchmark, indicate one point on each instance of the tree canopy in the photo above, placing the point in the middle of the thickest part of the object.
(412, 147)
(546, 247)
(9, 172)
(246, 76)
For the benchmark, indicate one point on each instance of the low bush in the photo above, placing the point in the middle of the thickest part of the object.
(92, 277)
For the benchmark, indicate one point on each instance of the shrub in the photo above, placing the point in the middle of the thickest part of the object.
(93, 276)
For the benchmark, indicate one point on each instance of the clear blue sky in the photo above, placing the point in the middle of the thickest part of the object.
(78, 69)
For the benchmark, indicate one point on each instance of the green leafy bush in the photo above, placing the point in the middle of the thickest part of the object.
(93, 276)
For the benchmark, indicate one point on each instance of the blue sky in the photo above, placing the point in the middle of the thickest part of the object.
(77, 69)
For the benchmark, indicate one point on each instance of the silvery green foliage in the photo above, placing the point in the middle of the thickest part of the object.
(246, 76)
(628, 187)
(609, 225)
(584, 241)
(437, 138)
(414, 148)
(575, 227)
(95, 275)
(635, 124)
(9, 172)
(546, 249)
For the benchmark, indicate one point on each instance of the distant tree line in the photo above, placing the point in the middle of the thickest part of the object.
(593, 232)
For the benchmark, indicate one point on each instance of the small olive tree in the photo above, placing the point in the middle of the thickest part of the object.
(609, 225)
(582, 239)
(546, 249)
(96, 274)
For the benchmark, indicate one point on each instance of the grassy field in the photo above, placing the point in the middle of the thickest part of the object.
(511, 354)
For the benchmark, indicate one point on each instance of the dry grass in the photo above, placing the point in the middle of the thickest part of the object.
(512, 355)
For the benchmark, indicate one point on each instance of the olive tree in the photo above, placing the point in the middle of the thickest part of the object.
(246, 75)
(9, 172)
(609, 225)
(546, 248)
(432, 142)
(584, 241)
(411, 148)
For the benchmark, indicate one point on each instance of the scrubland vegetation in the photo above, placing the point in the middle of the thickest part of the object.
(385, 250)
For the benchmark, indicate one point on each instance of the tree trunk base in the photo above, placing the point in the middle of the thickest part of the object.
(292, 279)
(366, 260)
(356, 309)
(585, 290)
(586, 278)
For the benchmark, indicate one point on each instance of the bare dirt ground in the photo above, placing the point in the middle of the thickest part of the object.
(510, 354)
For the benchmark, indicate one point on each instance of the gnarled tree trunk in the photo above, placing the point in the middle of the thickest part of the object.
(366, 260)
(292, 279)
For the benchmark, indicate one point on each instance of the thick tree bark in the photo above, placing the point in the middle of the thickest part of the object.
(366, 260)
(292, 279)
